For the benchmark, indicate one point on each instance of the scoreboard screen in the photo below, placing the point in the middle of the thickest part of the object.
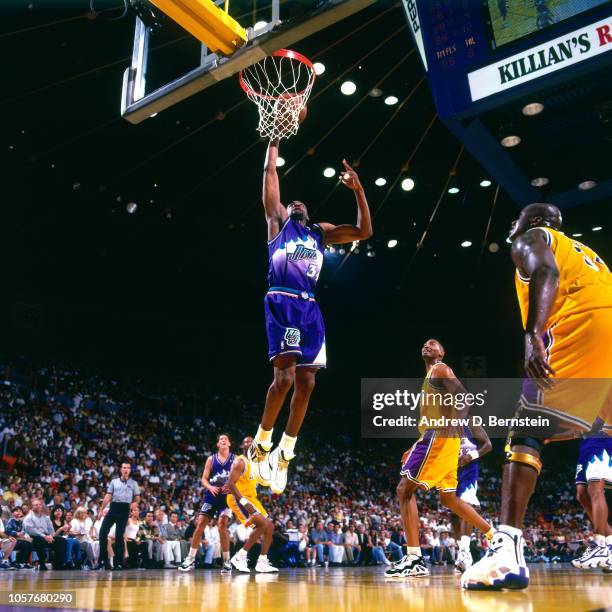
(513, 19)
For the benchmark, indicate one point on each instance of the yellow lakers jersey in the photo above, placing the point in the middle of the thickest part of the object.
(435, 403)
(247, 483)
(585, 282)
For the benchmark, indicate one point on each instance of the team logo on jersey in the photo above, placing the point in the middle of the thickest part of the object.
(301, 252)
(292, 336)
(578, 469)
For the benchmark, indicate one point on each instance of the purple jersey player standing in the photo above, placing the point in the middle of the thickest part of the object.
(294, 325)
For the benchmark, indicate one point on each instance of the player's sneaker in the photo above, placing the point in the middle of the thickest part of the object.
(607, 566)
(265, 567)
(227, 568)
(595, 556)
(408, 566)
(503, 567)
(279, 465)
(463, 561)
(240, 562)
(259, 455)
(187, 565)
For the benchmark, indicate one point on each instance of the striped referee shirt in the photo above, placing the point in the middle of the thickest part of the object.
(123, 491)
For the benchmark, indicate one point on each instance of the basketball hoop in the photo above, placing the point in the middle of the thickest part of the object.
(279, 85)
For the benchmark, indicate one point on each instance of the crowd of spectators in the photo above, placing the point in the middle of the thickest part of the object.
(63, 432)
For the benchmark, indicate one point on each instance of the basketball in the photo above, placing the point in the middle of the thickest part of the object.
(303, 114)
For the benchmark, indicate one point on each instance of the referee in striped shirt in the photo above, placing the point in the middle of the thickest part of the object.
(122, 493)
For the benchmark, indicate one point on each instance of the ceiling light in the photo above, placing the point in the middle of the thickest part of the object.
(453, 190)
(342, 251)
(379, 182)
(376, 92)
(511, 140)
(153, 115)
(131, 207)
(508, 241)
(348, 88)
(466, 243)
(329, 172)
(493, 247)
(260, 25)
(485, 183)
(597, 229)
(371, 253)
(532, 109)
(392, 243)
(319, 68)
(576, 235)
(540, 181)
(280, 162)
(407, 184)
(586, 185)
(391, 100)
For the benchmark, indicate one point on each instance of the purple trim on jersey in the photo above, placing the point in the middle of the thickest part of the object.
(466, 476)
(418, 455)
(591, 448)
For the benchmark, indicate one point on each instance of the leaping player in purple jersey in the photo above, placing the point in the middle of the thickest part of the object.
(294, 324)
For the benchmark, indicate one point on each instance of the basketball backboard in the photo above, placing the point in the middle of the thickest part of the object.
(137, 104)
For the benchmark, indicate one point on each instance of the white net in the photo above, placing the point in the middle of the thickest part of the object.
(280, 85)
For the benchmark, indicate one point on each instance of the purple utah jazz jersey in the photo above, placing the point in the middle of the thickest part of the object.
(219, 473)
(296, 257)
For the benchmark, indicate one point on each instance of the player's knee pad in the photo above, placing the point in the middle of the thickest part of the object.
(523, 457)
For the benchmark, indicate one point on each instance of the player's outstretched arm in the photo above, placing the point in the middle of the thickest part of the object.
(276, 213)
(534, 258)
(362, 230)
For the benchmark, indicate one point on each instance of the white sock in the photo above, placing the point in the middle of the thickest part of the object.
(287, 444)
(192, 553)
(242, 553)
(414, 550)
(464, 543)
(513, 531)
(600, 540)
(262, 558)
(609, 540)
(264, 437)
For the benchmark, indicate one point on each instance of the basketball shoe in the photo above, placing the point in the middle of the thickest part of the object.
(259, 456)
(607, 565)
(187, 565)
(241, 562)
(503, 567)
(408, 566)
(279, 465)
(595, 556)
(227, 568)
(464, 560)
(264, 566)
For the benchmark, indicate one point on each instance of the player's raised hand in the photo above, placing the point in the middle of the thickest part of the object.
(349, 177)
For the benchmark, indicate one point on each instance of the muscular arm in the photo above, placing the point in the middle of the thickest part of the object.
(480, 435)
(534, 258)
(238, 468)
(445, 377)
(275, 212)
(362, 230)
(206, 474)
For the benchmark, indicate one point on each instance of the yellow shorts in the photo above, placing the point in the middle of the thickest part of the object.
(579, 349)
(241, 513)
(432, 462)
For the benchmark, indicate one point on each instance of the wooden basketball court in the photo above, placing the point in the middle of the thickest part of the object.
(554, 587)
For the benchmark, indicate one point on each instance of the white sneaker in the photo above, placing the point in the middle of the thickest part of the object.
(503, 567)
(595, 556)
(279, 466)
(408, 566)
(187, 565)
(265, 567)
(259, 456)
(464, 560)
(607, 566)
(227, 568)
(241, 563)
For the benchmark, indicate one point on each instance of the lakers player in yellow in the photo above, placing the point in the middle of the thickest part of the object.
(242, 500)
(565, 296)
(432, 462)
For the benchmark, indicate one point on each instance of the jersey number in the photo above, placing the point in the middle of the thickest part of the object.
(587, 260)
(313, 271)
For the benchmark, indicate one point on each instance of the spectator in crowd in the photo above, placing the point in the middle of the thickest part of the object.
(170, 549)
(23, 545)
(38, 526)
(211, 543)
(134, 552)
(66, 546)
(448, 546)
(150, 541)
(393, 549)
(175, 533)
(7, 545)
(376, 543)
(321, 541)
(80, 527)
(364, 546)
(351, 545)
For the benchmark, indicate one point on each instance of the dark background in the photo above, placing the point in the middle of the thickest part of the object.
(175, 290)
